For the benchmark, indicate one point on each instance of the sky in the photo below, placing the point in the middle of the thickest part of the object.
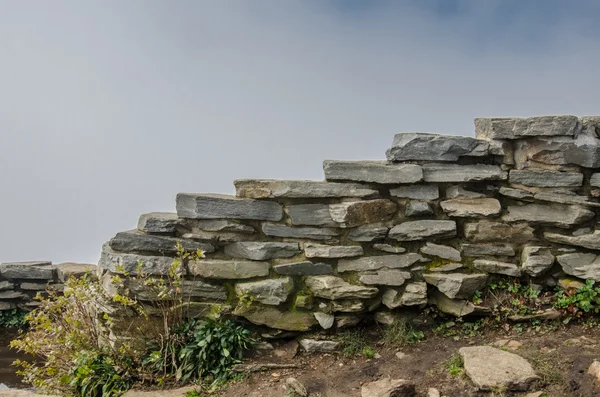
(109, 108)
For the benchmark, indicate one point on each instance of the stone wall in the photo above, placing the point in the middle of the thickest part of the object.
(430, 225)
(20, 282)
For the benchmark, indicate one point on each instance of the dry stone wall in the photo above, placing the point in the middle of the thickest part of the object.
(430, 225)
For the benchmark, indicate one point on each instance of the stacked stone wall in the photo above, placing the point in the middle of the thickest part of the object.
(430, 225)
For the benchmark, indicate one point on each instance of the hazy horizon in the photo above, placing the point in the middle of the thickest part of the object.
(108, 109)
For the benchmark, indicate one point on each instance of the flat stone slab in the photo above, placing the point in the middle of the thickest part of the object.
(310, 215)
(119, 262)
(275, 318)
(390, 249)
(422, 230)
(565, 197)
(559, 215)
(517, 128)
(270, 188)
(393, 278)
(229, 270)
(508, 269)
(417, 192)
(584, 150)
(490, 369)
(585, 266)
(441, 251)
(471, 207)
(486, 231)
(319, 346)
(434, 147)
(378, 262)
(462, 173)
(332, 251)
(357, 213)
(311, 233)
(368, 233)
(457, 285)
(380, 172)
(32, 270)
(65, 271)
(545, 178)
(331, 287)
(220, 206)
(414, 294)
(304, 268)
(388, 387)
(487, 250)
(416, 208)
(590, 241)
(457, 191)
(220, 225)
(260, 251)
(268, 292)
(133, 241)
(159, 222)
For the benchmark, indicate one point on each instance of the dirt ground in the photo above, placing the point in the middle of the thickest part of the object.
(561, 358)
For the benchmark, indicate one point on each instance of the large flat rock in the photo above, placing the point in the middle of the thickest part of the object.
(310, 215)
(494, 369)
(357, 213)
(228, 269)
(590, 241)
(471, 207)
(416, 192)
(584, 151)
(423, 230)
(379, 262)
(388, 387)
(138, 242)
(33, 270)
(545, 178)
(486, 231)
(304, 268)
(368, 233)
(582, 265)
(268, 292)
(275, 318)
(487, 250)
(535, 260)
(380, 172)
(271, 188)
(119, 262)
(394, 278)
(220, 206)
(331, 287)
(434, 147)
(441, 251)
(496, 267)
(159, 222)
(559, 215)
(332, 251)
(305, 232)
(435, 172)
(457, 285)
(262, 250)
(517, 128)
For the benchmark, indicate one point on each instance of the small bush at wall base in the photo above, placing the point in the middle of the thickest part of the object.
(14, 318)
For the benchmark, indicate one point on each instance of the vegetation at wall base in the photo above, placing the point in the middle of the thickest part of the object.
(13, 318)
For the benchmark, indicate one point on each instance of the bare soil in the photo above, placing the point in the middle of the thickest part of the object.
(561, 358)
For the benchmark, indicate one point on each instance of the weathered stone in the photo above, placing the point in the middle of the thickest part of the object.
(471, 207)
(325, 320)
(457, 285)
(33, 270)
(485, 231)
(332, 251)
(224, 269)
(414, 294)
(372, 171)
(118, 262)
(462, 173)
(303, 302)
(516, 193)
(260, 251)
(515, 128)
(434, 147)
(378, 262)
(368, 233)
(418, 208)
(310, 214)
(5, 284)
(417, 192)
(494, 369)
(9, 294)
(536, 260)
(594, 369)
(189, 289)
(348, 306)
(455, 307)
(595, 180)
(508, 269)
(389, 248)
(134, 241)
(433, 392)
(65, 271)
(584, 150)
(295, 388)
(545, 178)
(423, 230)
(347, 321)
(393, 278)
(583, 265)
(590, 241)
(305, 268)
(449, 267)
(219, 206)
(387, 387)
(442, 251)
(268, 292)
(319, 346)
(331, 287)
(357, 213)
(558, 215)
(35, 286)
(565, 197)
(457, 191)
(272, 188)
(541, 315)
(275, 318)
(219, 237)
(311, 233)
(487, 250)
(220, 225)
(159, 222)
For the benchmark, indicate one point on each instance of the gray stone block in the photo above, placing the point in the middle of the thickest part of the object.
(219, 206)
(416, 192)
(590, 240)
(424, 229)
(228, 270)
(515, 128)
(32, 270)
(457, 285)
(379, 262)
(487, 250)
(304, 268)
(332, 251)
(584, 151)
(545, 178)
(135, 241)
(416, 208)
(118, 262)
(508, 269)
(220, 225)
(446, 173)
(332, 288)
(564, 216)
(585, 266)
(486, 231)
(260, 251)
(267, 292)
(434, 147)
(159, 222)
(310, 215)
(441, 251)
(471, 207)
(368, 233)
(536, 260)
(357, 213)
(392, 278)
(372, 172)
(270, 188)
(310, 233)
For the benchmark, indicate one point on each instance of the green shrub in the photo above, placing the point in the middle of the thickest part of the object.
(96, 375)
(576, 303)
(14, 318)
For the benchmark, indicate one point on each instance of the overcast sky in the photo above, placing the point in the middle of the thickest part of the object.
(109, 108)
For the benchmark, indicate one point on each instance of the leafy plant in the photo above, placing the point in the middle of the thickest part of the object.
(454, 365)
(401, 333)
(369, 353)
(14, 318)
(96, 375)
(585, 299)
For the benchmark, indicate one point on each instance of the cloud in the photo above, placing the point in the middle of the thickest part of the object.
(108, 109)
